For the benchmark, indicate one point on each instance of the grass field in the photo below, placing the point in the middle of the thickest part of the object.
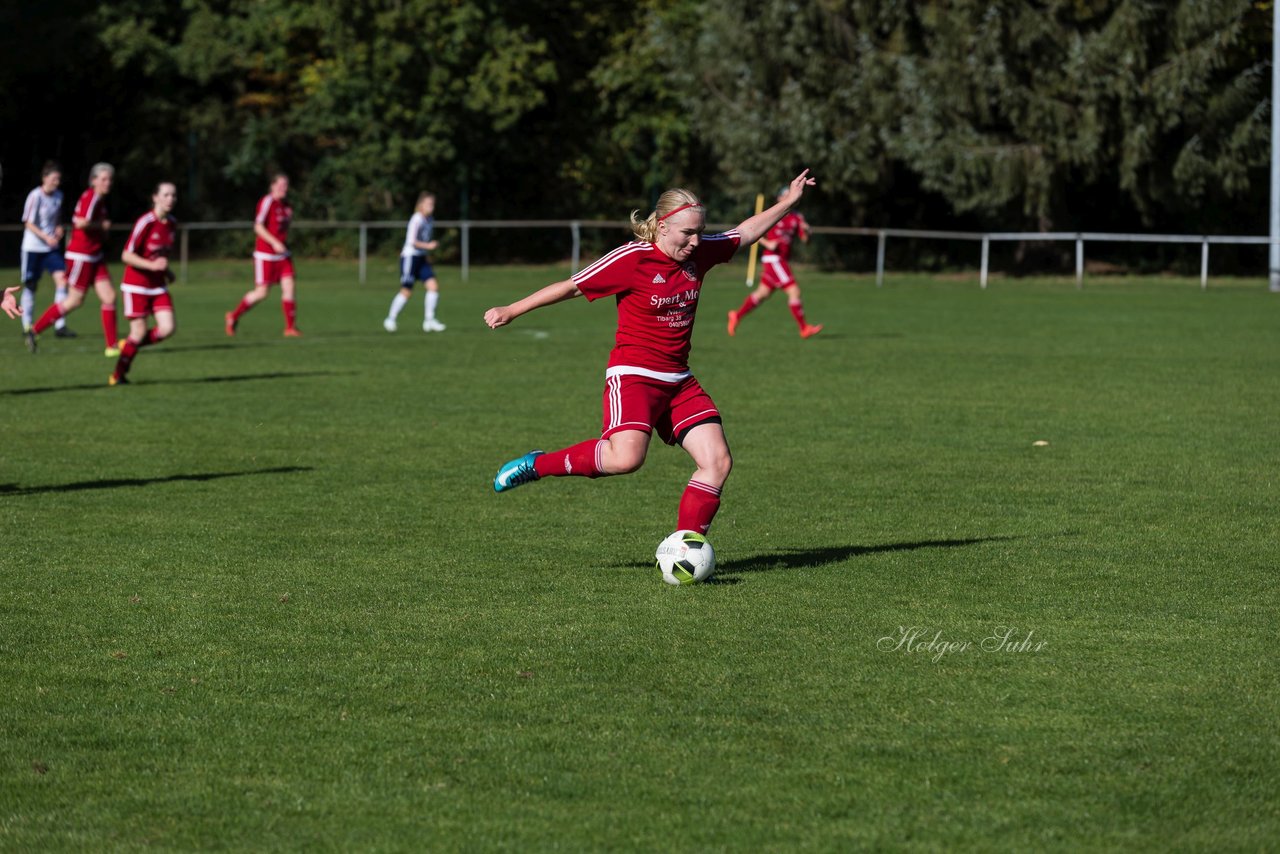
(265, 597)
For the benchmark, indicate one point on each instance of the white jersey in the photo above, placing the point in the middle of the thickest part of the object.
(44, 211)
(419, 230)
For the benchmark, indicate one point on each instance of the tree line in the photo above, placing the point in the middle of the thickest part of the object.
(1001, 114)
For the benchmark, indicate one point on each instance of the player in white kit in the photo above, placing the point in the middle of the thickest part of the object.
(415, 266)
(42, 246)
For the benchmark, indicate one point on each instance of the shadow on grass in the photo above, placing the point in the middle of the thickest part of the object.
(234, 378)
(822, 556)
(8, 489)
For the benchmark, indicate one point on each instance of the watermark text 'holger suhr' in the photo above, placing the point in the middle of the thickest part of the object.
(933, 643)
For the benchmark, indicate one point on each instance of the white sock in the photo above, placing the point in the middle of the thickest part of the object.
(28, 308)
(433, 299)
(59, 295)
(396, 305)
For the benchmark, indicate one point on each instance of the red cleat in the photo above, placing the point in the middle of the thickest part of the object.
(231, 324)
(292, 333)
(810, 330)
(733, 323)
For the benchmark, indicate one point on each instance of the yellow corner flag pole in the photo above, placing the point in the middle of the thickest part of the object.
(755, 248)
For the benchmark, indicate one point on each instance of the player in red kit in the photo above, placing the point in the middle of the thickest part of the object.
(271, 261)
(146, 279)
(775, 272)
(655, 282)
(85, 265)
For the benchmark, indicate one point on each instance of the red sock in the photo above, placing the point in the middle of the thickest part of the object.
(127, 351)
(747, 305)
(51, 316)
(109, 325)
(290, 308)
(698, 507)
(797, 311)
(151, 338)
(582, 460)
(244, 306)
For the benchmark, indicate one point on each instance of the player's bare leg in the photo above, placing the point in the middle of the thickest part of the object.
(707, 445)
(750, 304)
(794, 302)
(107, 296)
(139, 337)
(248, 301)
(432, 299)
(52, 314)
(399, 302)
(59, 294)
(621, 453)
(290, 308)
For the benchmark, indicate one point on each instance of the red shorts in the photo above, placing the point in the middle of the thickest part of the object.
(143, 305)
(271, 272)
(639, 403)
(83, 274)
(775, 272)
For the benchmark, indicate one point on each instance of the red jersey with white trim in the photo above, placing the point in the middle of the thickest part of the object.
(151, 238)
(657, 297)
(276, 216)
(786, 231)
(87, 242)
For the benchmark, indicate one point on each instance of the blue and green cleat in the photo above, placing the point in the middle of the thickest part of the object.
(518, 472)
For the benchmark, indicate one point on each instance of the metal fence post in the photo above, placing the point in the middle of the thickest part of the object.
(466, 249)
(880, 238)
(184, 252)
(1204, 265)
(364, 250)
(986, 254)
(1079, 261)
(576, 228)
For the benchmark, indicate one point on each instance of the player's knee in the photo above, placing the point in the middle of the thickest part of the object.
(720, 463)
(627, 461)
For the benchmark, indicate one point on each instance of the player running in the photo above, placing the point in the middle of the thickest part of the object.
(42, 246)
(146, 279)
(272, 263)
(656, 282)
(415, 265)
(775, 272)
(89, 226)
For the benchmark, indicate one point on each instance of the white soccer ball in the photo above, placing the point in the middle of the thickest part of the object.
(685, 557)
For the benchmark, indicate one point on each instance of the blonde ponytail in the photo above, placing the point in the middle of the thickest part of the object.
(647, 229)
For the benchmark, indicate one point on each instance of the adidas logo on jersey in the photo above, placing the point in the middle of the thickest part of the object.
(658, 280)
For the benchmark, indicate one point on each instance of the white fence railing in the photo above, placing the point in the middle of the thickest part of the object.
(882, 235)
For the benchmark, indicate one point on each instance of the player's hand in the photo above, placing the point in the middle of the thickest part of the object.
(498, 316)
(796, 188)
(10, 303)
(278, 246)
(160, 264)
(432, 244)
(51, 242)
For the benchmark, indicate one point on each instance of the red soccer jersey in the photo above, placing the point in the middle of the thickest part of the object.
(151, 238)
(276, 216)
(657, 297)
(88, 242)
(786, 232)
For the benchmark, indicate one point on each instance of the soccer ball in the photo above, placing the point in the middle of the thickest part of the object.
(685, 557)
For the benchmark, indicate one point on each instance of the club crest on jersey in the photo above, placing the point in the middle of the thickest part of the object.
(690, 272)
